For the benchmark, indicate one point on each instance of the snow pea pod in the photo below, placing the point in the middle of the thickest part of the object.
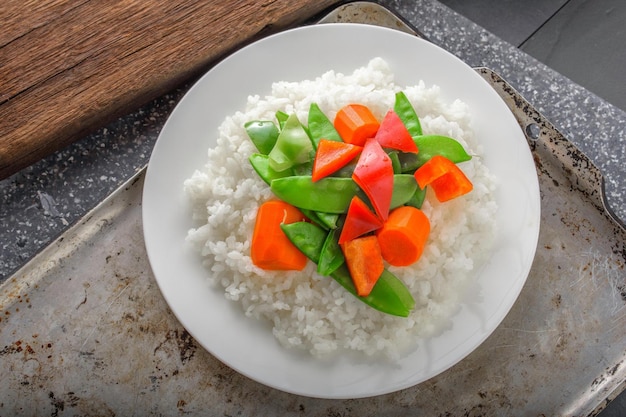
(395, 162)
(333, 194)
(261, 164)
(347, 170)
(292, 147)
(389, 295)
(331, 255)
(418, 198)
(307, 237)
(312, 215)
(328, 195)
(431, 145)
(263, 133)
(330, 220)
(404, 109)
(282, 117)
(320, 127)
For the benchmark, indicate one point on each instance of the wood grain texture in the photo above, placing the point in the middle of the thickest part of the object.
(67, 67)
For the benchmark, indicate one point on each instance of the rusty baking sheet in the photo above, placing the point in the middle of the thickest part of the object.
(84, 329)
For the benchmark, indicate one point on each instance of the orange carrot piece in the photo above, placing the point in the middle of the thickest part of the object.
(270, 248)
(355, 123)
(364, 262)
(331, 156)
(403, 236)
(446, 179)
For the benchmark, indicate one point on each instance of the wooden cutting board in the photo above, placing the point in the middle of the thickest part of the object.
(69, 66)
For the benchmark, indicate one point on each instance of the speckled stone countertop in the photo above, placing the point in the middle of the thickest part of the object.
(40, 202)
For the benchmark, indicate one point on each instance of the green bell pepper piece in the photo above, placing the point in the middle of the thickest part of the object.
(263, 133)
(389, 295)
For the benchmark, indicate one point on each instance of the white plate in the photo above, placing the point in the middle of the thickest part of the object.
(241, 343)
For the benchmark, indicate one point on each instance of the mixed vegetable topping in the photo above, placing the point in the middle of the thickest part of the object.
(349, 193)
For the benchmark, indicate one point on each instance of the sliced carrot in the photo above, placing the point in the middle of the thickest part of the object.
(393, 134)
(446, 179)
(359, 220)
(270, 248)
(403, 236)
(355, 123)
(364, 261)
(331, 156)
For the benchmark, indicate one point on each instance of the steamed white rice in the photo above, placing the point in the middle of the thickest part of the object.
(313, 312)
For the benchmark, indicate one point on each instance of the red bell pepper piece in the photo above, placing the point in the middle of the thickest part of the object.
(393, 134)
(444, 177)
(374, 174)
(331, 156)
(359, 220)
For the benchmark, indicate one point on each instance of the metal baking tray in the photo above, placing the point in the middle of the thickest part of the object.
(84, 329)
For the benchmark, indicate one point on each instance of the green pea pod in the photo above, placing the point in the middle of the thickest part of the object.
(408, 162)
(333, 194)
(307, 237)
(305, 168)
(320, 127)
(395, 162)
(347, 170)
(331, 255)
(330, 220)
(328, 195)
(314, 216)
(261, 164)
(431, 145)
(404, 109)
(263, 133)
(418, 198)
(292, 146)
(404, 186)
(281, 117)
(389, 295)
